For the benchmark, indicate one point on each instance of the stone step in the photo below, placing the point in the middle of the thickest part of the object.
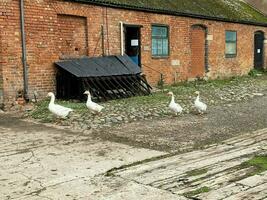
(221, 163)
(257, 193)
(214, 183)
(254, 186)
(165, 169)
(187, 157)
(213, 171)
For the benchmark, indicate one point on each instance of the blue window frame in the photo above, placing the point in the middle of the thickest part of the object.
(160, 40)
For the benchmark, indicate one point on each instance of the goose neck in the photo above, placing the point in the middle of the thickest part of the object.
(197, 99)
(52, 100)
(172, 100)
(89, 98)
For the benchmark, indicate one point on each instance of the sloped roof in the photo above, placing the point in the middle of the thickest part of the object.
(261, 5)
(100, 66)
(222, 10)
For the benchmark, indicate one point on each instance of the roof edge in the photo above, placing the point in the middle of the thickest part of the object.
(174, 13)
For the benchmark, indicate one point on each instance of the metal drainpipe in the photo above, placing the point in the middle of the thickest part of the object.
(24, 53)
(122, 38)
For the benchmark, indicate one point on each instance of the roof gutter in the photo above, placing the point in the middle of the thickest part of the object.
(168, 12)
(24, 52)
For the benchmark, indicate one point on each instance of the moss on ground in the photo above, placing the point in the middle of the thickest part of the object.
(196, 172)
(197, 191)
(259, 164)
(255, 166)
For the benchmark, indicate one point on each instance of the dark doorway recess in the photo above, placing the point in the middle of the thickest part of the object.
(132, 35)
(107, 78)
(259, 50)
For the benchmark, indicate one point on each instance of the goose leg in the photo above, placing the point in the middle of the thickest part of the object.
(57, 121)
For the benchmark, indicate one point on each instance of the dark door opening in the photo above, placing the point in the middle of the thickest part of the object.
(132, 43)
(258, 50)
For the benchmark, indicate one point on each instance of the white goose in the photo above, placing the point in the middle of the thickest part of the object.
(174, 107)
(57, 110)
(200, 106)
(92, 105)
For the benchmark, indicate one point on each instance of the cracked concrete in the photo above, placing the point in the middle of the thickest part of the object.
(221, 172)
(39, 162)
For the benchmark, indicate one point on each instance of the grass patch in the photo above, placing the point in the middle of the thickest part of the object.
(214, 83)
(259, 163)
(154, 98)
(41, 111)
(157, 102)
(196, 192)
(255, 166)
(255, 72)
(196, 172)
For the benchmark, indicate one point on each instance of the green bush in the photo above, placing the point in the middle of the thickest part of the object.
(254, 72)
(161, 81)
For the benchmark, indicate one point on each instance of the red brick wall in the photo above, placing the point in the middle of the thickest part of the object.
(10, 48)
(43, 25)
(1, 69)
(72, 36)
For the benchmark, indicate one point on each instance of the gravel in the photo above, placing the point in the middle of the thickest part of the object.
(144, 121)
(133, 109)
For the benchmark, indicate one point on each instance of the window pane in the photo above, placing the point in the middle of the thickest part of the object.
(159, 47)
(158, 31)
(164, 31)
(230, 36)
(160, 44)
(165, 47)
(154, 47)
(231, 48)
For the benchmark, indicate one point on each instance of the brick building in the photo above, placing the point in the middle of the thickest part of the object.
(179, 39)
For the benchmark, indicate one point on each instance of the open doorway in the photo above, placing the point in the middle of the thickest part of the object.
(133, 43)
(259, 50)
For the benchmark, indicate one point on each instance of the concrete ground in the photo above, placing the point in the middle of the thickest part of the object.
(217, 169)
(40, 162)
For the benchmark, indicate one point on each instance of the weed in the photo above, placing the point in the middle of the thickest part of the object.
(254, 166)
(161, 81)
(196, 172)
(254, 73)
(259, 163)
(197, 191)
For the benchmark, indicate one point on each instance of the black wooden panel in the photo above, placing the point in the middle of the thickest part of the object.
(100, 66)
